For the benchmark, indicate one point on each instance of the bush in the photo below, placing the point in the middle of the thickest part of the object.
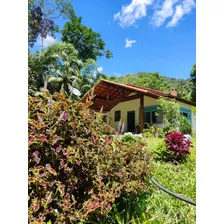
(131, 139)
(151, 131)
(170, 111)
(162, 153)
(185, 125)
(177, 144)
(161, 133)
(75, 173)
(147, 134)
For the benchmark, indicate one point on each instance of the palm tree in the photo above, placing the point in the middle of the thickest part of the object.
(67, 67)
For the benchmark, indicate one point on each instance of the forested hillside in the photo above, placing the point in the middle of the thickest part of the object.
(155, 81)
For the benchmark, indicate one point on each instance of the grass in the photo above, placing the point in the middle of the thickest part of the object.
(158, 207)
(180, 179)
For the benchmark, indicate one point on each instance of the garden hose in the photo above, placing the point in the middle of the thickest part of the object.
(173, 194)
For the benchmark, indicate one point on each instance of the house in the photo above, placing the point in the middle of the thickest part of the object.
(134, 105)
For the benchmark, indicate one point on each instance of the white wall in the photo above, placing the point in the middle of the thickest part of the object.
(133, 105)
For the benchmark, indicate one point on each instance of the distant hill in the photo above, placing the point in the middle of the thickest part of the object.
(157, 82)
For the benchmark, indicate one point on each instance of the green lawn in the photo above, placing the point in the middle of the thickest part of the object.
(180, 179)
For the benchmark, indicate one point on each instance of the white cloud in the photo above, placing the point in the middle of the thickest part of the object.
(132, 12)
(100, 69)
(181, 10)
(165, 11)
(46, 41)
(128, 43)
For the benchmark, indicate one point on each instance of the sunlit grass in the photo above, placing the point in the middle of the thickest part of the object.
(180, 179)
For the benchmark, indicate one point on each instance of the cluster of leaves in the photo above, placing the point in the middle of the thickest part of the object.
(171, 113)
(160, 152)
(152, 131)
(132, 139)
(174, 147)
(58, 65)
(193, 80)
(77, 170)
(177, 144)
(185, 125)
(88, 43)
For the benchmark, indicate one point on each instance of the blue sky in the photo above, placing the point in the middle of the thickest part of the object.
(159, 35)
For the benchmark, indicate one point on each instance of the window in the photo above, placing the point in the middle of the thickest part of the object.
(117, 115)
(147, 117)
(105, 118)
(154, 117)
(186, 113)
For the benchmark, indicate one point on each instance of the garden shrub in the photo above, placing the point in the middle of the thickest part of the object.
(178, 145)
(77, 170)
(161, 133)
(131, 139)
(147, 134)
(185, 125)
(161, 152)
(175, 147)
(170, 111)
(151, 131)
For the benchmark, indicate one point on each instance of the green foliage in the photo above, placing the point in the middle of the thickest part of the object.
(170, 111)
(161, 133)
(193, 80)
(161, 152)
(179, 178)
(88, 43)
(131, 139)
(185, 125)
(42, 15)
(67, 66)
(157, 82)
(40, 68)
(58, 65)
(90, 75)
(77, 170)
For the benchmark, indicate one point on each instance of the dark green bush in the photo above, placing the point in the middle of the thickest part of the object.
(185, 126)
(77, 171)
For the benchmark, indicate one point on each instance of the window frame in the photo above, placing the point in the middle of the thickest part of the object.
(188, 112)
(115, 117)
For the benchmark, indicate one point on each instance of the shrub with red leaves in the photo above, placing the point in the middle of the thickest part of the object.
(177, 144)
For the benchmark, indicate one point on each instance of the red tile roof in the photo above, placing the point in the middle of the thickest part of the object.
(105, 88)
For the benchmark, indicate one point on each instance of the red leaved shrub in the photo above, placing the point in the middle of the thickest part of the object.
(77, 170)
(177, 144)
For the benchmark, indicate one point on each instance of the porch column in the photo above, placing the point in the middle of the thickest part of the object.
(142, 112)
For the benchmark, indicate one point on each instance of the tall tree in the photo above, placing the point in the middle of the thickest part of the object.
(58, 65)
(41, 17)
(90, 75)
(40, 67)
(88, 43)
(193, 80)
(67, 67)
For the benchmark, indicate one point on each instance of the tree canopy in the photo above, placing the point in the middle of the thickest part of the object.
(42, 15)
(193, 80)
(88, 43)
